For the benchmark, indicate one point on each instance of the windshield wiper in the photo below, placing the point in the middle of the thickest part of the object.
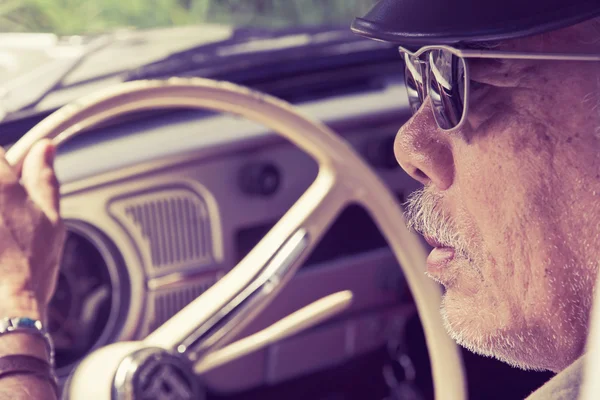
(26, 91)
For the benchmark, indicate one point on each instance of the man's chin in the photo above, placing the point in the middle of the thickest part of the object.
(477, 330)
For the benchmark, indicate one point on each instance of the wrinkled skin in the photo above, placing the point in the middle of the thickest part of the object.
(31, 234)
(519, 186)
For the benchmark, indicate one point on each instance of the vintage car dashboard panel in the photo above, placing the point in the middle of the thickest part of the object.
(160, 208)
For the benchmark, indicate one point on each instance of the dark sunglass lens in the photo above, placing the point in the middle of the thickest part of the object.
(447, 85)
(414, 100)
(413, 79)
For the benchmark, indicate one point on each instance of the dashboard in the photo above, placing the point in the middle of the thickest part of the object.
(160, 207)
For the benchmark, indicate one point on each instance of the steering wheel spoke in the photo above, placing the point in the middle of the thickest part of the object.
(256, 280)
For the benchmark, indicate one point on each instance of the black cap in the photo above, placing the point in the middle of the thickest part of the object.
(424, 22)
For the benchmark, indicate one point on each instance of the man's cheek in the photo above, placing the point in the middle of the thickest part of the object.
(488, 222)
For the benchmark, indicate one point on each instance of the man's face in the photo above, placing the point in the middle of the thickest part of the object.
(515, 196)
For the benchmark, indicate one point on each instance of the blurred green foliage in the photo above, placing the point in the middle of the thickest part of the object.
(68, 17)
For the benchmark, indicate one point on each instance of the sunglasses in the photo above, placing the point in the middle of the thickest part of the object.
(442, 73)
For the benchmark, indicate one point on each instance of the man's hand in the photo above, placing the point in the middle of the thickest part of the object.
(31, 241)
(31, 234)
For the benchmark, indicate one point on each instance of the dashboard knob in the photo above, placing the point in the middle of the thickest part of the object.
(380, 153)
(259, 179)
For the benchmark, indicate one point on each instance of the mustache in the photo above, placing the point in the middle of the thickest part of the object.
(424, 214)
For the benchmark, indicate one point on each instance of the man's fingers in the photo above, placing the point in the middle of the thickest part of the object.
(7, 172)
(39, 179)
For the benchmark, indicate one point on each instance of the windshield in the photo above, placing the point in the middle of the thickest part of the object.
(82, 17)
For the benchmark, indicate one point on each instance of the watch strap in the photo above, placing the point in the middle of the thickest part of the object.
(27, 365)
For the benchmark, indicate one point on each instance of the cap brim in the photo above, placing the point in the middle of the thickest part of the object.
(426, 22)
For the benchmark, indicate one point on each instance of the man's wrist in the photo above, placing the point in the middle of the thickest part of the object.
(23, 343)
(30, 327)
(23, 304)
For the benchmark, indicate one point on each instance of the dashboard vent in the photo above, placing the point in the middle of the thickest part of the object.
(170, 303)
(162, 304)
(170, 225)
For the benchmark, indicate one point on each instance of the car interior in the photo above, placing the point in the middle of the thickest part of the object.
(162, 203)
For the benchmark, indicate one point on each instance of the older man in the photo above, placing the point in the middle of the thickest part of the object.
(505, 138)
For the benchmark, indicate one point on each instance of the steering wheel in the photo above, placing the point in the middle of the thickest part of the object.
(217, 315)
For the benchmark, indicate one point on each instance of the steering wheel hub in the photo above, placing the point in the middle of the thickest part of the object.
(156, 374)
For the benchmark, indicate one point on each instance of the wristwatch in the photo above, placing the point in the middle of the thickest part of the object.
(31, 326)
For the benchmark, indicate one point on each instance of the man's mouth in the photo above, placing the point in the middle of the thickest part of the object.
(433, 242)
(439, 257)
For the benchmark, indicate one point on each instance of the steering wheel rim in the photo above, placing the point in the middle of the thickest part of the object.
(343, 178)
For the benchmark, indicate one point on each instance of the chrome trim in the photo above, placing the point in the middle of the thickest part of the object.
(222, 324)
(177, 280)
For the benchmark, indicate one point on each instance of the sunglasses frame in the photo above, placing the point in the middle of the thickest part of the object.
(463, 54)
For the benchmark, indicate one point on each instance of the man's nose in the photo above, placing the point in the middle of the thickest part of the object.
(424, 151)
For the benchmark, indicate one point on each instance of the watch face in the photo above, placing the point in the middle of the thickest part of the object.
(21, 323)
(27, 323)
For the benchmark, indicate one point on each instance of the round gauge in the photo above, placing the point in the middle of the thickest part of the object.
(83, 312)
